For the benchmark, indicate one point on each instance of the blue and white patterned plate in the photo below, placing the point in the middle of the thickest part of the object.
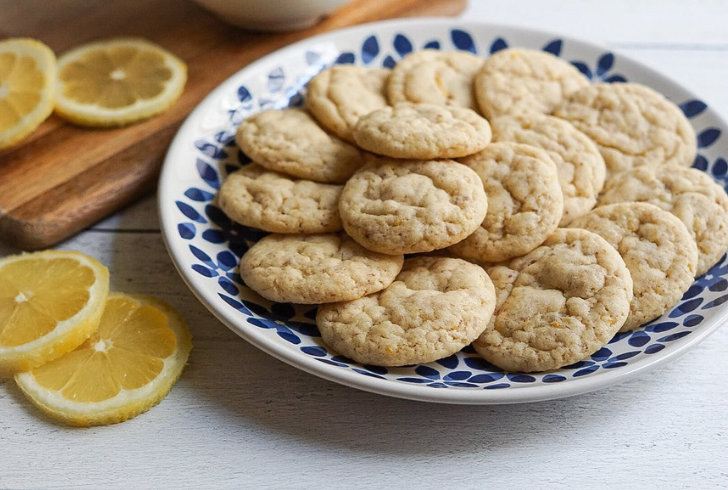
(206, 246)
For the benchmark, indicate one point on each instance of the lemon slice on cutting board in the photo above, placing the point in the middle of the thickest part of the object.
(117, 82)
(122, 370)
(50, 302)
(27, 87)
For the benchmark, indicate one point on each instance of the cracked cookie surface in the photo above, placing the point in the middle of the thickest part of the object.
(435, 77)
(338, 96)
(521, 81)
(688, 193)
(633, 125)
(580, 166)
(570, 297)
(435, 307)
(525, 202)
(291, 141)
(422, 131)
(400, 207)
(656, 247)
(254, 196)
(313, 269)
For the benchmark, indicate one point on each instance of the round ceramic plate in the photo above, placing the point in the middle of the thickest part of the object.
(206, 246)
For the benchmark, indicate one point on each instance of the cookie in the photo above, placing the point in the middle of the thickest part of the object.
(656, 247)
(632, 125)
(571, 296)
(337, 97)
(524, 202)
(435, 77)
(580, 165)
(291, 141)
(522, 81)
(691, 195)
(435, 307)
(402, 207)
(254, 196)
(313, 269)
(422, 131)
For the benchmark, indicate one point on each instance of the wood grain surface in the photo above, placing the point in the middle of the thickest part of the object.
(63, 177)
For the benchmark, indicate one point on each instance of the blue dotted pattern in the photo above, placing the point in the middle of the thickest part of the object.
(201, 223)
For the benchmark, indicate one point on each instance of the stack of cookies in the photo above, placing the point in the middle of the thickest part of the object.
(506, 203)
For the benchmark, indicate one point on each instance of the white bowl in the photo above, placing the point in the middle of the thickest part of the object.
(271, 15)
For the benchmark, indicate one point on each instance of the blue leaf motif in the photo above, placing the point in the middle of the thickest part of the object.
(692, 320)
(585, 371)
(462, 40)
(553, 378)
(204, 270)
(708, 137)
(498, 45)
(276, 79)
(186, 230)
(201, 255)
(521, 378)
(427, 372)
(693, 291)
(486, 378)
(720, 167)
(369, 50)
(692, 108)
(673, 337)
(312, 57)
(235, 304)
(414, 380)
(662, 327)
(389, 62)
(554, 47)
(654, 348)
(213, 236)
(583, 68)
(450, 362)
(615, 79)
(244, 94)
(227, 285)
(210, 150)
(402, 45)
(721, 285)
(601, 354)
(497, 386)
(716, 302)
(190, 212)
(314, 350)
(638, 339)
(289, 337)
(345, 59)
(199, 195)
(226, 260)
(701, 163)
(457, 376)
(685, 307)
(605, 63)
(208, 174)
(432, 45)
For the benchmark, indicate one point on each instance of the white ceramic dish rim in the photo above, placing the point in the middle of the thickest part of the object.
(228, 316)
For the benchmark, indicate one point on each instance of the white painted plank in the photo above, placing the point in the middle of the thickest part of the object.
(673, 22)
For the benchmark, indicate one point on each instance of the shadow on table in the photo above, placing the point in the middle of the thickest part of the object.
(232, 382)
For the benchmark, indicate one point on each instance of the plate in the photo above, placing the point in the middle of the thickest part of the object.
(206, 246)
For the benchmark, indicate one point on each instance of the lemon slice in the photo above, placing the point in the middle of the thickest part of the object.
(117, 82)
(27, 87)
(50, 302)
(122, 370)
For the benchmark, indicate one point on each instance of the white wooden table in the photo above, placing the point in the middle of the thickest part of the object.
(225, 426)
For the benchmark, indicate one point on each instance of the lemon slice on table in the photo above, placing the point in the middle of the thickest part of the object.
(117, 82)
(50, 302)
(27, 87)
(122, 370)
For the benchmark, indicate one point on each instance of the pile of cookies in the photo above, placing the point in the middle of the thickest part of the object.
(507, 202)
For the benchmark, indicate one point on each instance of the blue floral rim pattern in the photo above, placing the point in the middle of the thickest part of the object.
(216, 243)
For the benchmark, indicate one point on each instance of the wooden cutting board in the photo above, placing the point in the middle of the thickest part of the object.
(63, 178)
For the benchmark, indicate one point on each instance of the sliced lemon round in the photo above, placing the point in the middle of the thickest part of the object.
(122, 370)
(27, 87)
(50, 302)
(117, 82)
